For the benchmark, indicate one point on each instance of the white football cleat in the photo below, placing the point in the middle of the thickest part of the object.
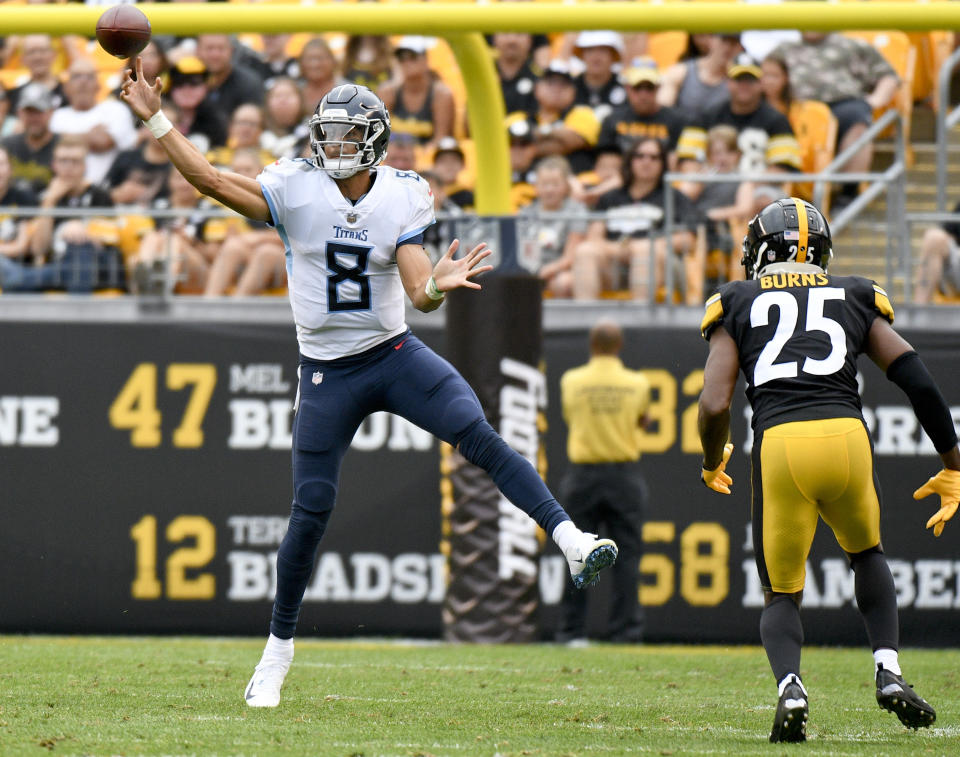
(264, 687)
(587, 557)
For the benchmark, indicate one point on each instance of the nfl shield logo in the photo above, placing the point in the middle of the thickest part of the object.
(317, 377)
(351, 217)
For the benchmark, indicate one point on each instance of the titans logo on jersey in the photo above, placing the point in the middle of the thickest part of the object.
(798, 336)
(342, 276)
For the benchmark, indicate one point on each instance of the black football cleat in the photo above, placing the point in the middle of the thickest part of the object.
(790, 722)
(899, 698)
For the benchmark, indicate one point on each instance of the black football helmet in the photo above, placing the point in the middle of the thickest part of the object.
(355, 120)
(788, 230)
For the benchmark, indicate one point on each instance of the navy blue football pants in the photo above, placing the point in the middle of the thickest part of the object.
(401, 376)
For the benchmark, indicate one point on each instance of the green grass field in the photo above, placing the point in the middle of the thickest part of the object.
(132, 696)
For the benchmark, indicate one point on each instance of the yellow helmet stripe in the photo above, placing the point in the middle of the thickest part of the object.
(802, 221)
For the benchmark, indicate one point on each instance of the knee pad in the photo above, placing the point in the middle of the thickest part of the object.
(461, 414)
(315, 496)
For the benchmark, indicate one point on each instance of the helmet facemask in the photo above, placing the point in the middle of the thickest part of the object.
(343, 145)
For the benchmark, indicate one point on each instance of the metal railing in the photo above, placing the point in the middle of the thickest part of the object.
(947, 118)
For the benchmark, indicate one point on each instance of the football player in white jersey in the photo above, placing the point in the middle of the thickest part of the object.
(353, 234)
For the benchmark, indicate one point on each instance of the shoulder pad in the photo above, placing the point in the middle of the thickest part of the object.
(287, 166)
(713, 313)
(881, 302)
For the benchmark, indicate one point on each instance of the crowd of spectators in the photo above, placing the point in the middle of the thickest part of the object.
(593, 123)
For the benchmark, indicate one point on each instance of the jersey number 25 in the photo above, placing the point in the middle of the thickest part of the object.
(767, 369)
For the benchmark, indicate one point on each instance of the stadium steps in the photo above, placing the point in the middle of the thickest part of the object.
(861, 247)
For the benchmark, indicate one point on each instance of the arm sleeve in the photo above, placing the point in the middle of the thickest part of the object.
(911, 375)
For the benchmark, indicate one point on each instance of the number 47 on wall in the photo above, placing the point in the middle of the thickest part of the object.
(135, 406)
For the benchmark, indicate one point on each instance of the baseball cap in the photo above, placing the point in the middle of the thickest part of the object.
(641, 71)
(188, 70)
(558, 68)
(744, 65)
(520, 132)
(402, 138)
(448, 144)
(599, 39)
(414, 44)
(35, 96)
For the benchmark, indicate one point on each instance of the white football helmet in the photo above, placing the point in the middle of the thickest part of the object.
(349, 131)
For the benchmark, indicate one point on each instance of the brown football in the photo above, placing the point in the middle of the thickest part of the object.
(123, 31)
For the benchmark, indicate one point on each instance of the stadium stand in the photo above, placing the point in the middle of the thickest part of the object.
(917, 58)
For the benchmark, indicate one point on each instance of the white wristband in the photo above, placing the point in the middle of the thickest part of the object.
(158, 124)
(432, 291)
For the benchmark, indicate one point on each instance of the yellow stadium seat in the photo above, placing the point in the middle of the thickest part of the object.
(666, 47)
(104, 230)
(933, 48)
(131, 231)
(13, 77)
(816, 130)
(103, 60)
(896, 48)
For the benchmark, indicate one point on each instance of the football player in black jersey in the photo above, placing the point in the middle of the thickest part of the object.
(796, 332)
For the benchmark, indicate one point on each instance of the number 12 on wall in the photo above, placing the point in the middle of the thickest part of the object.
(147, 584)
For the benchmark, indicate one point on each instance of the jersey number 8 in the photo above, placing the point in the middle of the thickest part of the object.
(348, 286)
(767, 369)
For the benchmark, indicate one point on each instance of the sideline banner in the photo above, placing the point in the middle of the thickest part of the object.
(145, 485)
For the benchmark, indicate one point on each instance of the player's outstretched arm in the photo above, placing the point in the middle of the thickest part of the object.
(237, 192)
(713, 418)
(903, 366)
(425, 286)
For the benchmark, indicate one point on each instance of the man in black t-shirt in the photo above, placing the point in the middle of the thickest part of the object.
(228, 84)
(139, 176)
(201, 122)
(641, 116)
(31, 151)
(518, 74)
(765, 138)
(598, 86)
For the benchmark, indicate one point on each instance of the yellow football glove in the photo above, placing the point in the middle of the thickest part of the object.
(718, 479)
(947, 484)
